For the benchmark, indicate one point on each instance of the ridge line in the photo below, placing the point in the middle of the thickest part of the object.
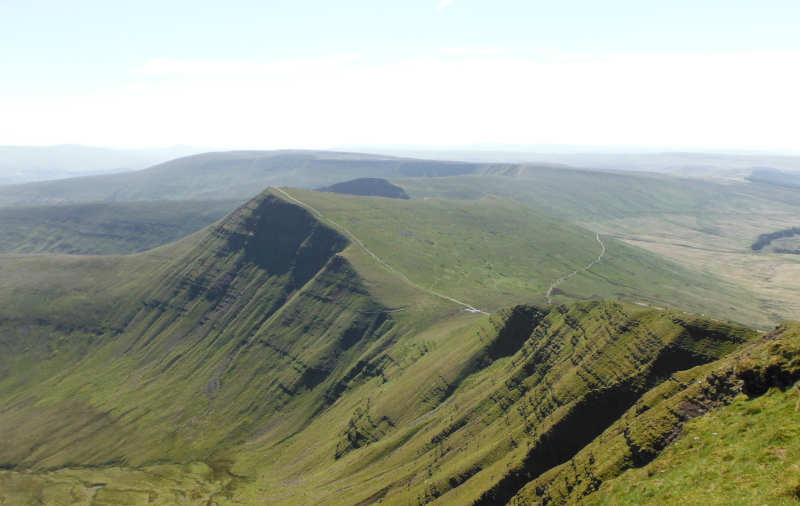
(373, 255)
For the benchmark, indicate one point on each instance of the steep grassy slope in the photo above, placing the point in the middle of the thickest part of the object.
(233, 175)
(498, 417)
(745, 454)
(105, 228)
(224, 298)
(270, 358)
(453, 414)
(737, 455)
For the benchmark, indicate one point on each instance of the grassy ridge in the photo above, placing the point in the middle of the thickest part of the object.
(499, 423)
(494, 252)
(270, 359)
(703, 226)
(578, 195)
(189, 325)
(744, 454)
(105, 228)
(733, 446)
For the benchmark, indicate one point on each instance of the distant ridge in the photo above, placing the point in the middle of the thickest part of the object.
(22, 164)
(672, 162)
(236, 175)
(367, 187)
(768, 175)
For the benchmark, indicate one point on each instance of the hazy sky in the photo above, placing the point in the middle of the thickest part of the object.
(280, 73)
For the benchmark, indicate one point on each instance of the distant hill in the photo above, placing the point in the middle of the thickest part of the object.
(21, 164)
(687, 163)
(235, 175)
(105, 228)
(367, 187)
(768, 175)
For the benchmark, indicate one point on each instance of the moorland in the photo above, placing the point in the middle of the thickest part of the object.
(212, 330)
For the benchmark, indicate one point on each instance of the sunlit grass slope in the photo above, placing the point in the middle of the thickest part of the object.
(495, 252)
(512, 396)
(162, 357)
(105, 228)
(457, 412)
(705, 226)
(270, 359)
(728, 442)
(578, 195)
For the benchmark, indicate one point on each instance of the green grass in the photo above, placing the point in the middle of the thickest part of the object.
(105, 228)
(269, 359)
(746, 453)
(628, 463)
(704, 226)
(166, 484)
(578, 195)
(494, 252)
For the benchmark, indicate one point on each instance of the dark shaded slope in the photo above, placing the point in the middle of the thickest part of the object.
(233, 175)
(367, 187)
(255, 315)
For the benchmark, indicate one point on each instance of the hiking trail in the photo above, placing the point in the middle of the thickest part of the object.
(561, 280)
(373, 255)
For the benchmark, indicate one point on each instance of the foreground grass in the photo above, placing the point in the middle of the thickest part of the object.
(747, 453)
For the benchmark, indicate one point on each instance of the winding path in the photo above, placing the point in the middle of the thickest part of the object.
(561, 280)
(490, 189)
(373, 255)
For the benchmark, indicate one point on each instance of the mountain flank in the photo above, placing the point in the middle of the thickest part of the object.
(704, 226)
(105, 228)
(271, 359)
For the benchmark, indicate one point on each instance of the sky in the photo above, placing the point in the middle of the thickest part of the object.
(273, 74)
